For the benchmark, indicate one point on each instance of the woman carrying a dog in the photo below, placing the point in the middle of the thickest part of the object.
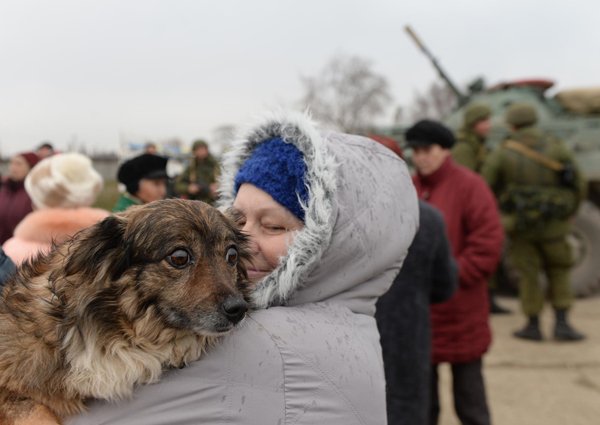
(330, 217)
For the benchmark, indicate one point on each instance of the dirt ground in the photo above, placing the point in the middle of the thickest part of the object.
(548, 383)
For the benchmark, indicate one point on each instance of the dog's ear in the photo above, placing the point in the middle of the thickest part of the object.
(98, 245)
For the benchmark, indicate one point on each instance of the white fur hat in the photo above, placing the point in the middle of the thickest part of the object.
(65, 180)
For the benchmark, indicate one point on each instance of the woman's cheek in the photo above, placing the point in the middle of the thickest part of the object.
(279, 248)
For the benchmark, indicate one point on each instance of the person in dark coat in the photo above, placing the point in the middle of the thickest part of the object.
(145, 180)
(14, 200)
(460, 326)
(7, 268)
(428, 275)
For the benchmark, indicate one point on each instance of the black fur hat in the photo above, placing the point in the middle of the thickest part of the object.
(428, 132)
(145, 166)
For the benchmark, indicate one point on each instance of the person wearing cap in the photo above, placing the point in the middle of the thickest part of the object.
(62, 188)
(539, 188)
(150, 148)
(44, 150)
(145, 179)
(471, 151)
(461, 333)
(319, 209)
(198, 180)
(14, 200)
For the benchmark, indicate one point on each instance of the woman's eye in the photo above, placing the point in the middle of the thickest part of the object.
(231, 256)
(274, 228)
(179, 258)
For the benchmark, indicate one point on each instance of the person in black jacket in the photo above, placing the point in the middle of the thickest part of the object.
(7, 268)
(428, 275)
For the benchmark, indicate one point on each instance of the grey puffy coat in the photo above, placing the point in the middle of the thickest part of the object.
(310, 353)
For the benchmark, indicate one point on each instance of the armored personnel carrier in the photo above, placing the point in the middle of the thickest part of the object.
(573, 116)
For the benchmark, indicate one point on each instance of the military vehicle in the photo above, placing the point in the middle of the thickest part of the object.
(573, 116)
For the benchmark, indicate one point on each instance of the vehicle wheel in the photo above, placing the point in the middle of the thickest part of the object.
(585, 242)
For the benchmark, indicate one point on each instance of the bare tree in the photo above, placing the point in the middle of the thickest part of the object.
(436, 103)
(347, 93)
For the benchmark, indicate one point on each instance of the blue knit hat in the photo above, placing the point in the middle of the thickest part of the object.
(278, 168)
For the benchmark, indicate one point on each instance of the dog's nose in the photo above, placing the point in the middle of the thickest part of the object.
(234, 308)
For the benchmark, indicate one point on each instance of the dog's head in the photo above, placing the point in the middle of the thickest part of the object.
(182, 259)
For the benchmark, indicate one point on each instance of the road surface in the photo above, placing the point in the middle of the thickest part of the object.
(548, 383)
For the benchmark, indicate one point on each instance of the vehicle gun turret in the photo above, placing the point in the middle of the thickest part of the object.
(462, 99)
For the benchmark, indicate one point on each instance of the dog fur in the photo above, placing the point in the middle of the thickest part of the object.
(117, 304)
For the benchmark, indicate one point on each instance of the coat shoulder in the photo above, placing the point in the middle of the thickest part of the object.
(468, 179)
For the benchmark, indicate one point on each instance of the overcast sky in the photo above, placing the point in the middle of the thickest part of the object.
(97, 71)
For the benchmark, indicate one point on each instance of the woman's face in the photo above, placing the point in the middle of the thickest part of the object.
(271, 228)
(18, 168)
(482, 128)
(151, 190)
(427, 159)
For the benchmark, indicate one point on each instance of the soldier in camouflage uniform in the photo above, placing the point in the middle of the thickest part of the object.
(539, 188)
(470, 151)
(198, 181)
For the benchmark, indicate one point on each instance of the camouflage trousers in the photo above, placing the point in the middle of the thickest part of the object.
(553, 259)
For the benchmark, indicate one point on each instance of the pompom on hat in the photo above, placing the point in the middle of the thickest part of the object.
(66, 180)
(277, 168)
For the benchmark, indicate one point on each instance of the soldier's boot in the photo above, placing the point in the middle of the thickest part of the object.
(531, 331)
(563, 331)
(496, 308)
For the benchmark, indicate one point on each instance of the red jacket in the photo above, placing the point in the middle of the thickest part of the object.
(460, 326)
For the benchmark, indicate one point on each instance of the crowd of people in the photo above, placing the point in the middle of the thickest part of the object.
(364, 279)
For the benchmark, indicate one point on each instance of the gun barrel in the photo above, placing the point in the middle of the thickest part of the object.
(462, 99)
(416, 39)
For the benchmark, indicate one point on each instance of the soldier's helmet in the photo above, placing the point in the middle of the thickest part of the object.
(199, 144)
(476, 112)
(521, 115)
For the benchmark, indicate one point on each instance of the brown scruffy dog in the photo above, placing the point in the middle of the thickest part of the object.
(141, 291)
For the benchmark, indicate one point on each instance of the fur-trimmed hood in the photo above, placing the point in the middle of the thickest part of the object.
(361, 216)
(39, 229)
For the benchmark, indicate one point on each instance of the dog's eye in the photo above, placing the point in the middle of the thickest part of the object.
(179, 258)
(231, 256)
